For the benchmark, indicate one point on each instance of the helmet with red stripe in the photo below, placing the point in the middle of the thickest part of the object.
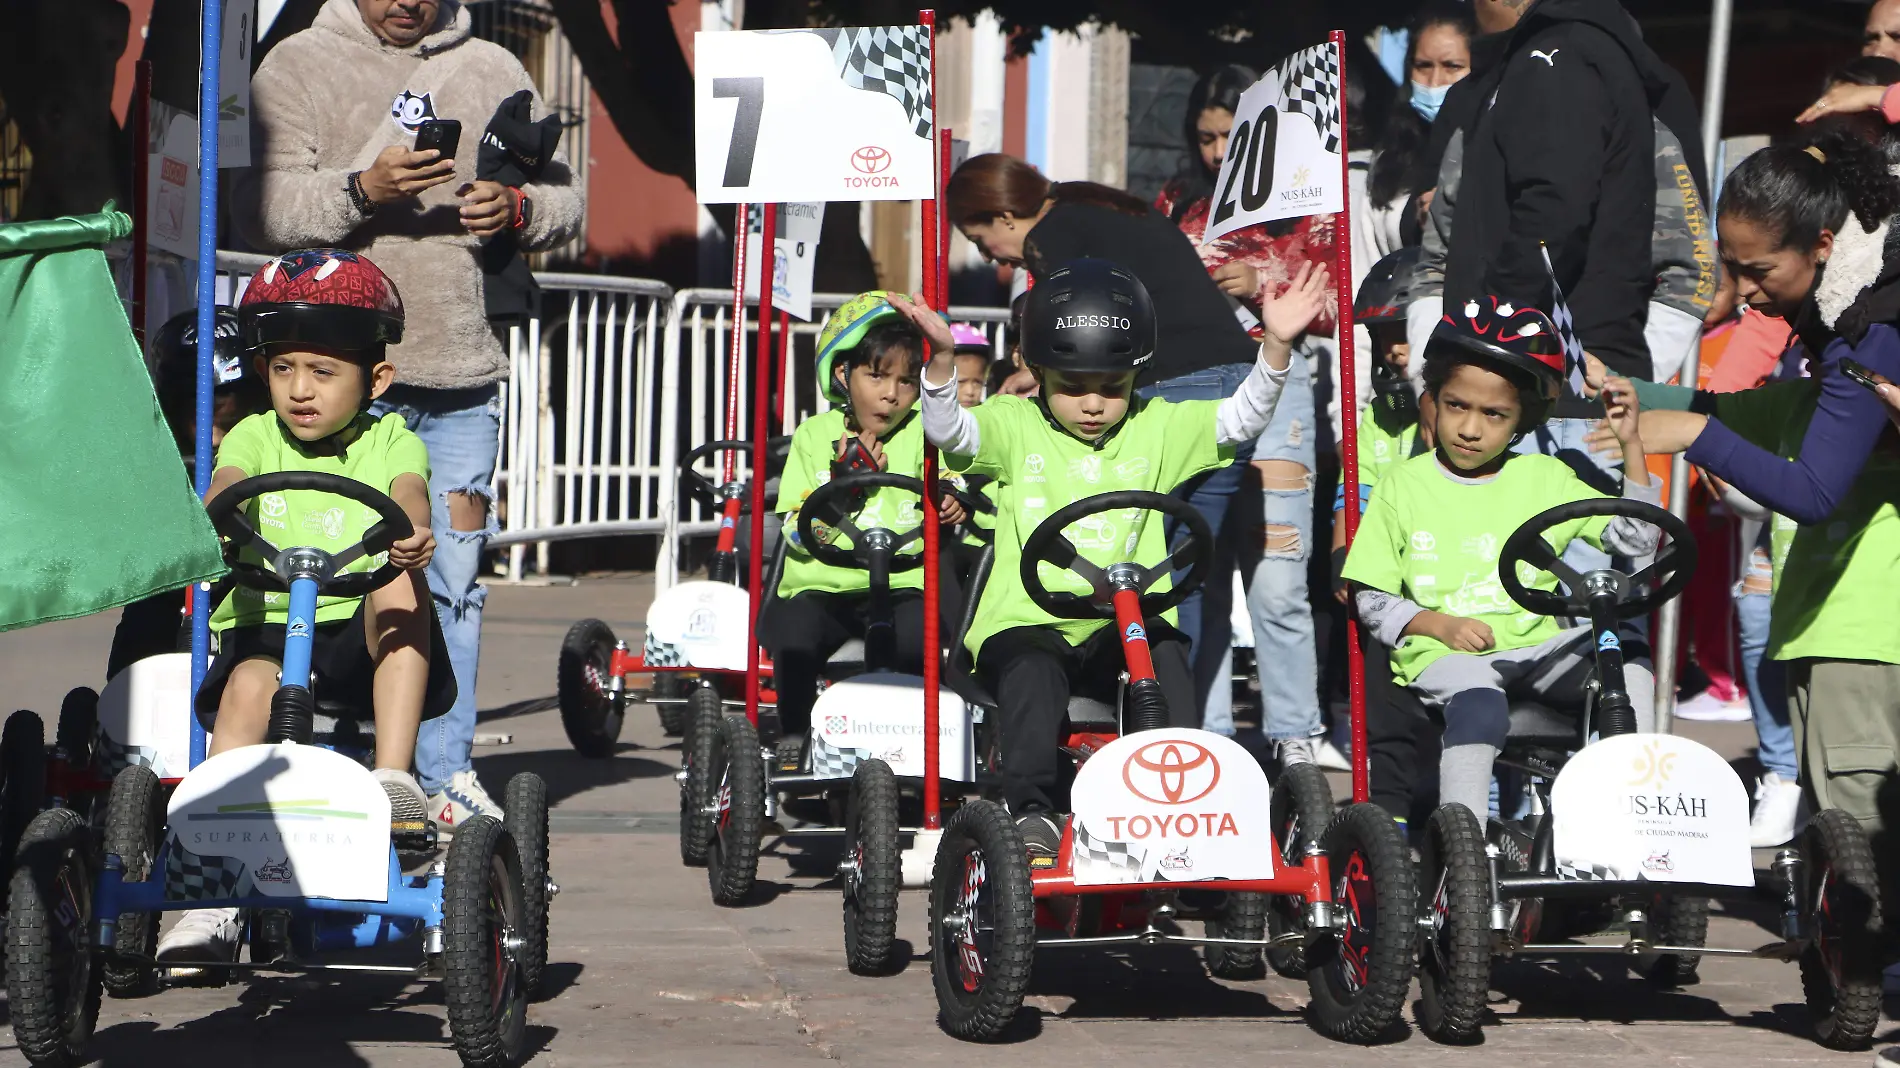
(1520, 343)
(326, 298)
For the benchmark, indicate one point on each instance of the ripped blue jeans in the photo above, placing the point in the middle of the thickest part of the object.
(462, 430)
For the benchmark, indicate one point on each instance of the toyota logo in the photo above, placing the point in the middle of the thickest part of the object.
(272, 505)
(1171, 772)
(871, 160)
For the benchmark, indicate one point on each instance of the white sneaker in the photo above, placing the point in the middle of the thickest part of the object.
(202, 935)
(1294, 751)
(1777, 806)
(460, 801)
(1330, 758)
(1708, 708)
(408, 805)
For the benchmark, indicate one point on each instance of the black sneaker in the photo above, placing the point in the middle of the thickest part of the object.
(789, 758)
(1042, 836)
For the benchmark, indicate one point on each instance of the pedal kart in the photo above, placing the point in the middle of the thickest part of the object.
(1638, 831)
(864, 755)
(1168, 825)
(297, 834)
(33, 777)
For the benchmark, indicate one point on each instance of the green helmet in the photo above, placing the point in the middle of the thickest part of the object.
(846, 327)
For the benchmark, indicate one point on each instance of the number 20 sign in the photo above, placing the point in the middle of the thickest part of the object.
(805, 115)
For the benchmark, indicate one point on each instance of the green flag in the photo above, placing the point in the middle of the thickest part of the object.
(96, 509)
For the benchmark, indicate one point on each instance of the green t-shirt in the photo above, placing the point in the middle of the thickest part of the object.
(1834, 581)
(1385, 441)
(814, 447)
(980, 524)
(260, 445)
(1040, 469)
(1435, 541)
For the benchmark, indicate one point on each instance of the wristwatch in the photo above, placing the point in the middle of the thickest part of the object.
(353, 186)
(524, 208)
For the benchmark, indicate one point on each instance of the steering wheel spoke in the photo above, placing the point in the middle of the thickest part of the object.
(826, 505)
(1527, 545)
(1049, 543)
(228, 519)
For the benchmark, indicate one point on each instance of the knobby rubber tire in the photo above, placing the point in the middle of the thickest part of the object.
(1454, 954)
(78, 727)
(135, 825)
(1843, 1002)
(1242, 915)
(732, 864)
(696, 756)
(1358, 978)
(589, 715)
(526, 806)
(23, 788)
(1302, 810)
(481, 892)
(981, 1007)
(871, 838)
(52, 995)
(1674, 921)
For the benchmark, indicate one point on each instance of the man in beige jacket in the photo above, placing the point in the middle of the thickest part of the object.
(335, 112)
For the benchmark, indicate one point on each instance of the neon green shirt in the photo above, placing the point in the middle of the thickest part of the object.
(260, 445)
(1385, 441)
(1435, 541)
(814, 447)
(1834, 581)
(1039, 469)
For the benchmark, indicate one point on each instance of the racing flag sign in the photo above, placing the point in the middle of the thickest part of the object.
(1283, 155)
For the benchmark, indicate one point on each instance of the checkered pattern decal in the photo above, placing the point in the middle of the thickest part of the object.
(1311, 88)
(1566, 326)
(830, 762)
(1593, 873)
(1119, 857)
(893, 60)
(114, 758)
(663, 654)
(190, 877)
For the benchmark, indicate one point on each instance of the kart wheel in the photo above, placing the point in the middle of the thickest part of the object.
(52, 987)
(1840, 969)
(675, 716)
(23, 765)
(1359, 976)
(483, 914)
(591, 716)
(697, 821)
(1454, 953)
(737, 777)
(872, 870)
(135, 827)
(1674, 921)
(1243, 915)
(78, 725)
(982, 923)
(1302, 809)
(526, 806)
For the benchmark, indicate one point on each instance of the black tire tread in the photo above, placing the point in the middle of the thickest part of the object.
(1845, 1018)
(526, 804)
(45, 1036)
(481, 1040)
(1301, 790)
(1675, 921)
(591, 721)
(135, 820)
(732, 864)
(1242, 915)
(1371, 1014)
(1451, 1005)
(987, 827)
(78, 722)
(23, 765)
(696, 754)
(870, 916)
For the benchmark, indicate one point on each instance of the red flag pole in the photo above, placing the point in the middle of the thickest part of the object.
(761, 405)
(141, 164)
(1349, 436)
(928, 238)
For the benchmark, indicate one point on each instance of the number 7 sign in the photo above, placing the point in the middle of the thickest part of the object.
(839, 113)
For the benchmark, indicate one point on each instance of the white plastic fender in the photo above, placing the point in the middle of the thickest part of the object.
(145, 716)
(699, 624)
(1174, 805)
(280, 820)
(919, 861)
(881, 715)
(1651, 806)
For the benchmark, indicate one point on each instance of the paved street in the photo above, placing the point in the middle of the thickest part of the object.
(646, 971)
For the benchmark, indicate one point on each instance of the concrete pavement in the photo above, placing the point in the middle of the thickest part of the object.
(646, 971)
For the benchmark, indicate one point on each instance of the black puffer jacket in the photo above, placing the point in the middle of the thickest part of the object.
(1564, 152)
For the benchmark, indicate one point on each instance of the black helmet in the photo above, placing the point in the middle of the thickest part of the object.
(175, 347)
(1089, 316)
(1521, 341)
(1387, 289)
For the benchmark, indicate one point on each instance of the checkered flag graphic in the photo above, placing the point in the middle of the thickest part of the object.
(1310, 87)
(114, 758)
(893, 60)
(190, 877)
(1566, 326)
(662, 654)
(830, 762)
(1591, 873)
(1118, 857)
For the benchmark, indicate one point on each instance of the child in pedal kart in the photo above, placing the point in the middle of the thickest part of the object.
(1087, 330)
(1424, 562)
(867, 366)
(317, 323)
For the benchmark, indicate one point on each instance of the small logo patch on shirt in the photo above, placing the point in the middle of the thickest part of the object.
(411, 110)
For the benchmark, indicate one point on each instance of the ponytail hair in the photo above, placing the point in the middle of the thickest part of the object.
(1801, 187)
(988, 185)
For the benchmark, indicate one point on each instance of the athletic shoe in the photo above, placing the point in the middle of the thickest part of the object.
(1777, 806)
(460, 801)
(201, 935)
(1705, 707)
(408, 805)
(1042, 836)
(1293, 751)
(1329, 757)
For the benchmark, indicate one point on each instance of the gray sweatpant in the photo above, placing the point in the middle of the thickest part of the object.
(1475, 691)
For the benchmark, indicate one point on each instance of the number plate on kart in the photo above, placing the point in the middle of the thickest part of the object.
(881, 715)
(1651, 806)
(1172, 805)
(699, 624)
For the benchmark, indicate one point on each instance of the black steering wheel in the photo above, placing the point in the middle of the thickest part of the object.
(1636, 594)
(393, 526)
(826, 504)
(776, 449)
(1048, 543)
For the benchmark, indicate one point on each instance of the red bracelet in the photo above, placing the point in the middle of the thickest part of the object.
(521, 214)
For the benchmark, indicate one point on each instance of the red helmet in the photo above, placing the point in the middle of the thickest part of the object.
(1520, 338)
(326, 297)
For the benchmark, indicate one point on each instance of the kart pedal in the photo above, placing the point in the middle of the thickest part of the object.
(413, 836)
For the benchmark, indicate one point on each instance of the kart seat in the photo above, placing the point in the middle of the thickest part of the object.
(1535, 724)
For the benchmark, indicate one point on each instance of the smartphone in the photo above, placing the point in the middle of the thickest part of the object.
(1859, 372)
(443, 135)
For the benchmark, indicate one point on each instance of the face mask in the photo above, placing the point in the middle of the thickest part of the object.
(1426, 100)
